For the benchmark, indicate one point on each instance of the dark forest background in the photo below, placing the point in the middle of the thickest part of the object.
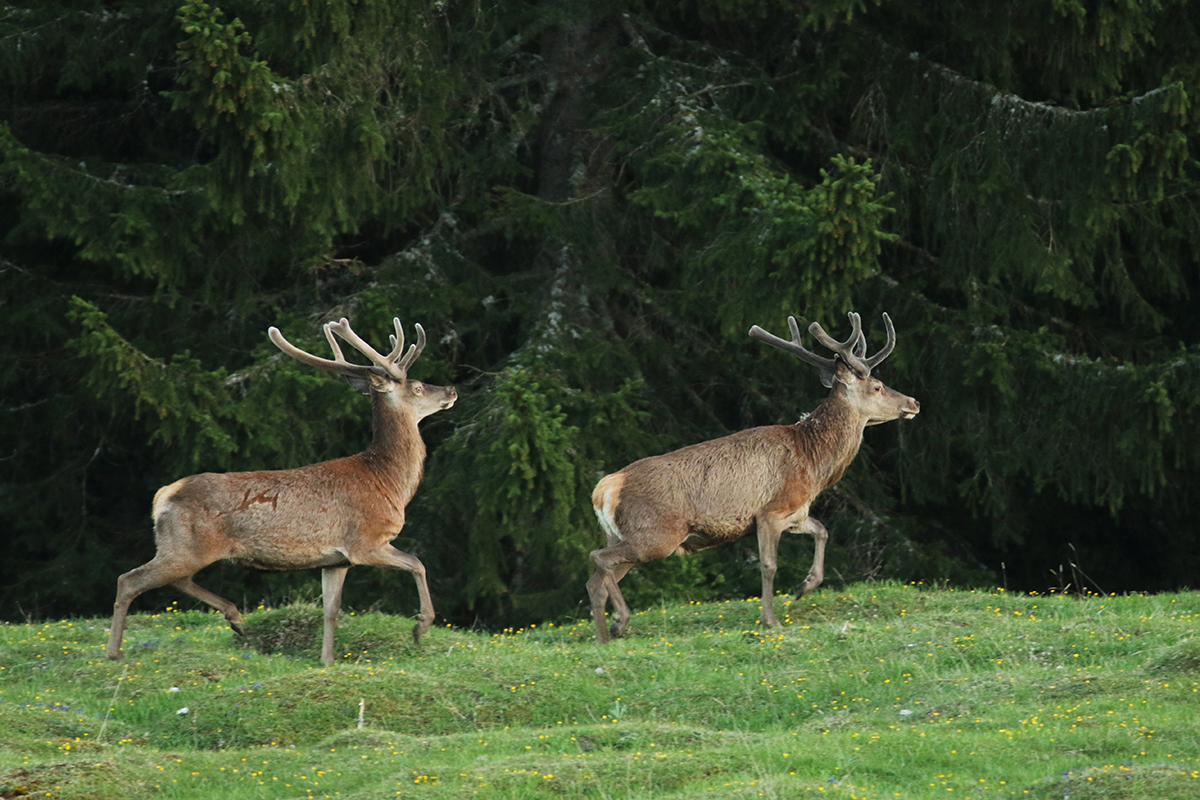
(587, 203)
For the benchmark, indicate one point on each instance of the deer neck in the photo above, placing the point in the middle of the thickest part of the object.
(831, 435)
(396, 454)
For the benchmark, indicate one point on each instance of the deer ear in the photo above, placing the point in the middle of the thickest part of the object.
(380, 382)
(358, 383)
(842, 373)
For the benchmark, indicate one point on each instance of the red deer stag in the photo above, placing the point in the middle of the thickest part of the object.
(330, 515)
(760, 480)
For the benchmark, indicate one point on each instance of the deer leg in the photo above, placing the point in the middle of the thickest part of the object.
(769, 531)
(151, 575)
(189, 587)
(816, 573)
(657, 537)
(598, 588)
(611, 565)
(620, 610)
(389, 556)
(332, 580)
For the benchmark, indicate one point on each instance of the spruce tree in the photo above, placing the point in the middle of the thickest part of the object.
(587, 205)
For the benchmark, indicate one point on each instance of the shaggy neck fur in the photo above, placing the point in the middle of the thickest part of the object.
(396, 454)
(831, 435)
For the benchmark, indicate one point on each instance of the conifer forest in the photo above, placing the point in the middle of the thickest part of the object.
(587, 204)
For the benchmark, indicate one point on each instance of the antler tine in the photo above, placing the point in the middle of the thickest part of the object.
(340, 365)
(825, 365)
(886, 350)
(397, 340)
(844, 350)
(852, 352)
(414, 351)
(342, 328)
(392, 363)
(860, 346)
(794, 327)
(833, 344)
(337, 349)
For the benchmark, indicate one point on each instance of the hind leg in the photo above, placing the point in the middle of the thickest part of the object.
(620, 609)
(600, 585)
(612, 564)
(151, 575)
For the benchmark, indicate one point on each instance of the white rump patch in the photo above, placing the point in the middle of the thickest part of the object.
(604, 503)
(163, 496)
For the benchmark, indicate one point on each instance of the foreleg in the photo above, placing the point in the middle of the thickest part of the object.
(228, 609)
(816, 573)
(390, 557)
(332, 581)
(769, 531)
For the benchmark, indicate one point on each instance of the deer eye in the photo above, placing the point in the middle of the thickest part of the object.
(418, 388)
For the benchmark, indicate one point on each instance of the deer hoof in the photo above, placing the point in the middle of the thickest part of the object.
(810, 583)
(417, 631)
(614, 631)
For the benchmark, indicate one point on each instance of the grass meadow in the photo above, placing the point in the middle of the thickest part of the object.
(873, 691)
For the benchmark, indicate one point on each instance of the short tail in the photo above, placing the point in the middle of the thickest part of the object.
(605, 499)
(163, 496)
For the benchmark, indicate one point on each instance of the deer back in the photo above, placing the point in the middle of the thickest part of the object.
(300, 518)
(717, 486)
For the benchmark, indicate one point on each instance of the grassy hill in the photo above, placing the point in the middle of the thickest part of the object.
(876, 691)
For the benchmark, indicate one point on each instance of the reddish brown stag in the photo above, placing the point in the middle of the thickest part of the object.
(761, 480)
(330, 515)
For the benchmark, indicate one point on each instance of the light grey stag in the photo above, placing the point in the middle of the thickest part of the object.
(330, 515)
(760, 480)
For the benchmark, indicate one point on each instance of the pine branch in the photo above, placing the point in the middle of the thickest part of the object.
(920, 252)
(1007, 99)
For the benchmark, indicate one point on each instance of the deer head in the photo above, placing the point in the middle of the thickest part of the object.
(386, 376)
(849, 371)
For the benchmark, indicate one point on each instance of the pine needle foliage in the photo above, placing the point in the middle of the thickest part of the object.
(586, 205)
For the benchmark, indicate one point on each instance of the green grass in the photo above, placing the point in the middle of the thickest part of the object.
(877, 691)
